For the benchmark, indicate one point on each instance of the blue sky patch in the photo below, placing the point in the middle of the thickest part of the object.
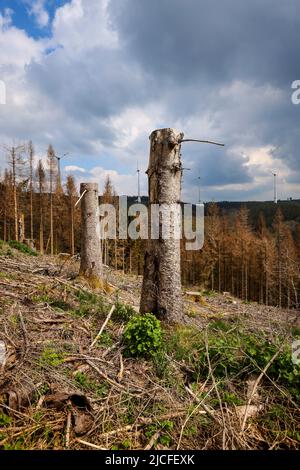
(22, 18)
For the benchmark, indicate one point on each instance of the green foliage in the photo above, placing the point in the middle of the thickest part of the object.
(161, 364)
(231, 398)
(281, 422)
(50, 357)
(142, 336)
(183, 342)
(123, 312)
(22, 248)
(164, 427)
(105, 339)
(43, 390)
(89, 297)
(296, 331)
(4, 420)
(60, 304)
(17, 445)
(89, 304)
(232, 353)
(90, 385)
(192, 313)
(44, 298)
(209, 293)
(220, 325)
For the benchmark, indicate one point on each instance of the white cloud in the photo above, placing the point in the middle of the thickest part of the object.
(90, 96)
(74, 168)
(38, 10)
(83, 24)
(124, 184)
(17, 49)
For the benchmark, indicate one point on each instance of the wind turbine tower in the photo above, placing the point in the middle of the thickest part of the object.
(199, 189)
(275, 188)
(139, 184)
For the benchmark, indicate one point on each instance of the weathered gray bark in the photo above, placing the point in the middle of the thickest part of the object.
(91, 260)
(161, 290)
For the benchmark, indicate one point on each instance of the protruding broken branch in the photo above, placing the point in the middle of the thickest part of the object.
(202, 142)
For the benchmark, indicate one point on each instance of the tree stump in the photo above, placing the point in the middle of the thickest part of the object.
(91, 259)
(161, 290)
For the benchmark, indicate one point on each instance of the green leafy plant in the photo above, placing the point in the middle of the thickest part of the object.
(22, 248)
(164, 427)
(9, 252)
(50, 357)
(4, 420)
(87, 384)
(123, 312)
(89, 304)
(142, 336)
(105, 339)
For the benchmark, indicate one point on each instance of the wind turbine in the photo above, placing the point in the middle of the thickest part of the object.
(139, 183)
(59, 158)
(199, 179)
(275, 188)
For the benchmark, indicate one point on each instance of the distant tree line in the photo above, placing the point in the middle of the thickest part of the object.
(253, 258)
(35, 206)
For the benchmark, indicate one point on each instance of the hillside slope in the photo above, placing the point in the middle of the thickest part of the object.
(223, 379)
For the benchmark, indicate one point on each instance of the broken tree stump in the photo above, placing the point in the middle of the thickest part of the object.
(161, 290)
(91, 259)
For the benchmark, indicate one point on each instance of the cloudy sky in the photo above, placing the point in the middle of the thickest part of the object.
(95, 77)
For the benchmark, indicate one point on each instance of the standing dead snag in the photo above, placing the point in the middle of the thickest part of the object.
(161, 291)
(91, 260)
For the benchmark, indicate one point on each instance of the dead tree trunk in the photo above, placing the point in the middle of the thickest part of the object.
(161, 290)
(91, 258)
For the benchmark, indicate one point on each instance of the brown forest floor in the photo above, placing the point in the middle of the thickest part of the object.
(57, 392)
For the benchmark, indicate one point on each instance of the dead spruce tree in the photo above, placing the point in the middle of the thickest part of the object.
(91, 259)
(161, 290)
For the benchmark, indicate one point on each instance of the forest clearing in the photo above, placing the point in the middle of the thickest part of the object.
(149, 233)
(221, 379)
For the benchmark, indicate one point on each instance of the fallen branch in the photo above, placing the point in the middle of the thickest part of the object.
(256, 385)
(23, 329)
(105, 376)
(68, 429)
(102, 327)
(152, 441)
(89, 444)
(121, 372)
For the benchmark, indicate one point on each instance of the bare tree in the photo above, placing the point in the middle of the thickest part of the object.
(52, 164)
(41, 185)
(31, 158)
(16, 161)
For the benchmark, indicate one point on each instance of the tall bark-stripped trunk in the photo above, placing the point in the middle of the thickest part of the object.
(91, 258)
(116, 255)
(161, 290)
(14, 175)
(21, 228)
(72, 226)
(267, 276)
(31, 156)
(51, 223)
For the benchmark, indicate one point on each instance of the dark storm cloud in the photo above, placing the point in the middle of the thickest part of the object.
(212, 40)
(215, 69)
(195, 48)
